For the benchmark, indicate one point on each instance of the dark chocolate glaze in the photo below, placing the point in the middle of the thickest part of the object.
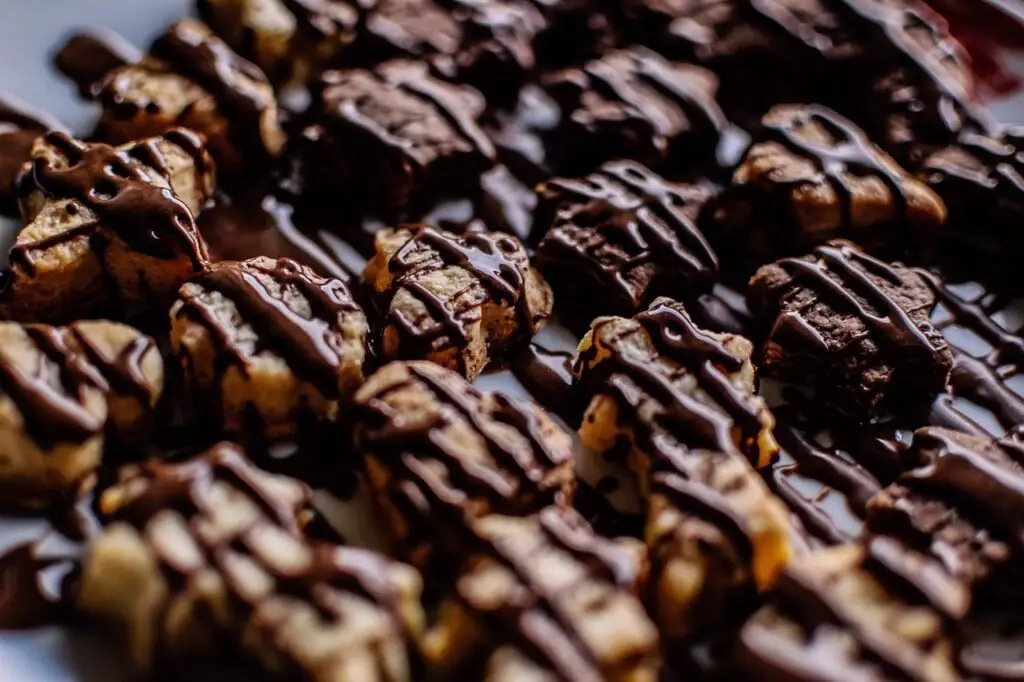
(240, 87)
(123, 373)
(538, 619)
(851, 154)
(547, 375)
(112, 184)
(310, 346)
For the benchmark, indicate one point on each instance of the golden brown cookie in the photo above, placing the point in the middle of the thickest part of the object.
(812, 176)
(438, 451)
(855, 613)
(269, 342)
(679, 402)
(455, 300)
(107, 226)
(191, 78)
(543, 597)
(59, 388)
(210, 552)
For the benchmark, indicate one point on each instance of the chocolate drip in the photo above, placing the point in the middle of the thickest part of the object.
(638, 214)
(811, 600)
(306, 344)
(892, 326)
(237, 84)
(449, 106)
(150, 219)
(914, 576)
(52, 406)
(547, 374)
(88, 58)
(850, 154)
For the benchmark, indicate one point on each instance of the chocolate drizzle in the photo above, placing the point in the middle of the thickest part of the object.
(850, 153)
(310, 345)
(491, 259)
(515, 478)
(113, 184)
(620, 222)
(240, 87)
(88, 58)
(50, 393)
(24, 602)
(124, 372)
(732, 425)
(539, 617)
(193, 490)
(887, 321)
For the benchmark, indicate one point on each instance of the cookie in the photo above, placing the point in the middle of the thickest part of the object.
(633, 103)
(191, 78)
(61, 390)
(438, 451)
(851, 325)
(20, 127)
(543, 597)
(877, 611)
(959, 505)
(813, 175)
(620, 237)
(106, 225)
(270, 343)
(209, 554)
(395, 138)
(455, 300)
(659, 369)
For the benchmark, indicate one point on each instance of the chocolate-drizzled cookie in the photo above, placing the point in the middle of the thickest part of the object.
(679, 400)
(59, 388)
(20, 127)
(633, 103)
(191, 78)
(981, 178)
(209, 553)
(811, 176)
(395, 137)
(963, 505)
(872, 613)
(851, 325)
(658, 369)
(107, 225)
(620, 237)
(455, 300)
(272, 341)
(439, 451)
(543, 597)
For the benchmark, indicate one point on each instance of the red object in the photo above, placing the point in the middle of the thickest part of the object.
(988, 29)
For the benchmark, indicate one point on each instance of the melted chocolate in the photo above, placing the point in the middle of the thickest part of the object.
(150, 219)
(124, 372)
(547, 374)
(306, 344)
